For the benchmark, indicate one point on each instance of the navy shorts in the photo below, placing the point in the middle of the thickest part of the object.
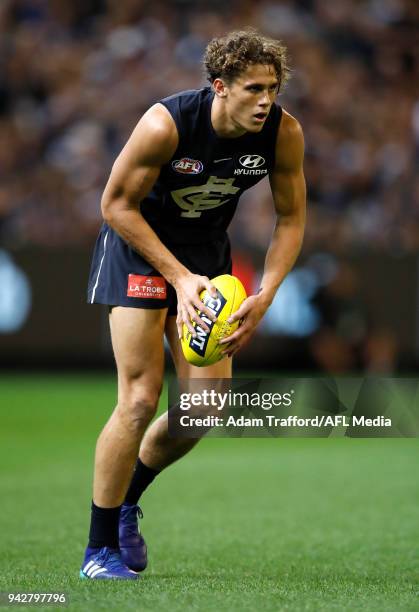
(119, 276)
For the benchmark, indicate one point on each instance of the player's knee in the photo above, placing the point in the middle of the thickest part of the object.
(137, 406)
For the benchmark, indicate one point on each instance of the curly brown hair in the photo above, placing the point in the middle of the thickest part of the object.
(229, 56)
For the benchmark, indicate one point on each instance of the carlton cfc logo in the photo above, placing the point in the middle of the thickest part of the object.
(186, 165)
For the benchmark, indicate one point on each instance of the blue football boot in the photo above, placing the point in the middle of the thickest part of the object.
(105, 564)
(131, 542)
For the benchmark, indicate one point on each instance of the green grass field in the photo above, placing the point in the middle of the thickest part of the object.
(239, 524)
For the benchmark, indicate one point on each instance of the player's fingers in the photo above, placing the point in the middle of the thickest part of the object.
(195, 317)
(235, 342)
(187, 321)
(240, 313)
(179, 325)
(180, 331)
(209, 286)
(230, 350)
(233, 347)
(234, 336)
(204, 310)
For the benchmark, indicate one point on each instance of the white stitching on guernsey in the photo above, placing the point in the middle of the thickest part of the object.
(100, 268)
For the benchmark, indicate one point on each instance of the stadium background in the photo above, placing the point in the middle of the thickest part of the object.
(74, 79)
(76, 76)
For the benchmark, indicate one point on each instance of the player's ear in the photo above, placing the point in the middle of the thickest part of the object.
(220, 88)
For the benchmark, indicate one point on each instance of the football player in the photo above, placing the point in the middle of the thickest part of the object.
(170, 197)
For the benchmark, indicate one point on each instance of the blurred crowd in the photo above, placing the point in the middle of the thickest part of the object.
(76, 76)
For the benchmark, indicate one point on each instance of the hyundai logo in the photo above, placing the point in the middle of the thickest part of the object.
(251, 161)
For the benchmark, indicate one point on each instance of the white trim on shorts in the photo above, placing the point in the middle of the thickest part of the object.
(100, 268)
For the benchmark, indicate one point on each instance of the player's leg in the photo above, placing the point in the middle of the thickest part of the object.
(137, 339)
(157, 449)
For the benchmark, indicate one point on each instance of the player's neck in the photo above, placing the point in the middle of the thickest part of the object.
(221, 121)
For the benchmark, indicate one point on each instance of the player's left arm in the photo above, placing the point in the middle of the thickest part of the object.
(289, 195)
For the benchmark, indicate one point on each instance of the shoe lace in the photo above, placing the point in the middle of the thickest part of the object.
(131, 520)
(110, 558)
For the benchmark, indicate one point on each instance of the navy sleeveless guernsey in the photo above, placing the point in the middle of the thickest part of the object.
(191, 203)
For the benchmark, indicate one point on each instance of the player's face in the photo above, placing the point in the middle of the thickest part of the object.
(250, 97)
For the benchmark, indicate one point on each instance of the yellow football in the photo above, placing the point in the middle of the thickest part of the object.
(204, 349)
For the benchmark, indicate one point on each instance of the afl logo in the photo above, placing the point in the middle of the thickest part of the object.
(251, 161)
(186, 165)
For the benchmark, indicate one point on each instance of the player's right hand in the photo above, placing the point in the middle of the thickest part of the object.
(188, 287)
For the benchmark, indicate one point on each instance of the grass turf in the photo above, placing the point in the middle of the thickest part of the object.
(239, 524)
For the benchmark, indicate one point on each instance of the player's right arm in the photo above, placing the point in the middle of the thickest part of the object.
(136, 169)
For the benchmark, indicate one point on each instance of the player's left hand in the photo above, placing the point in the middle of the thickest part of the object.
(251, 311)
